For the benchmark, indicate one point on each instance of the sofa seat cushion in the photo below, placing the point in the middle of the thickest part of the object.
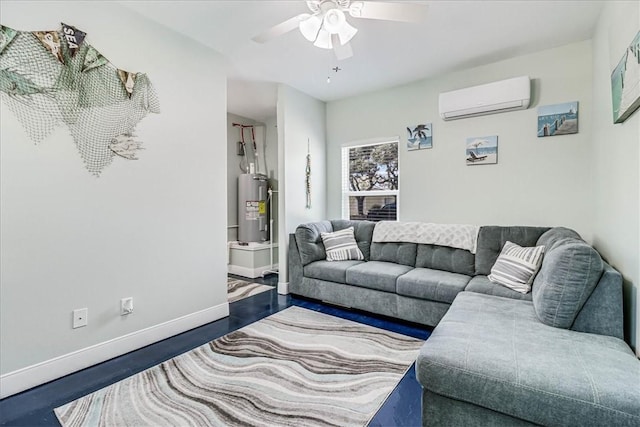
(434, 285)
(482, 285)
(494, 352)
(332, 271)
(377, 275)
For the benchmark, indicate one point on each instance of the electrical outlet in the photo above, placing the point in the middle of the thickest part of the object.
(80, 317)
(126, 306)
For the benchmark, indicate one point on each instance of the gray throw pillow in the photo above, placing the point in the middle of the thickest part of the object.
(516, 266)
(569, 273)
(341, 245)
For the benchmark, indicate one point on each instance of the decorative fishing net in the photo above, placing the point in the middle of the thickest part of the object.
(86, 93)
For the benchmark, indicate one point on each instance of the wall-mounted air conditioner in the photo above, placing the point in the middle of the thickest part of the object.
(491, 98)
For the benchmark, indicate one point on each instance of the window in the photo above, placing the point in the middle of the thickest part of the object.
(370, 181)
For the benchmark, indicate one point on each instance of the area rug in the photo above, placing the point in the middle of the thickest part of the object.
(238, 289)
(293, 368)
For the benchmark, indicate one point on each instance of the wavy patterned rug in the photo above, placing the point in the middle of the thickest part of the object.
(238, 289)
(293, 368)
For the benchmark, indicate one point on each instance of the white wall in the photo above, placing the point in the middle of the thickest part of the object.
(152, 229)
(615, 160)
(537, 181)
(588, 181)
(300, 118)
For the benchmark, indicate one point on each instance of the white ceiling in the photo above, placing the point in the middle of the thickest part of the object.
(457, 34)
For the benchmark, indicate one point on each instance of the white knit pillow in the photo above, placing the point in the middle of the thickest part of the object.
(341, 245)
(516, 267)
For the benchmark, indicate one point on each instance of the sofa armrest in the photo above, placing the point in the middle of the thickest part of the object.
(602, 313)
(310, 246)
(295, 263)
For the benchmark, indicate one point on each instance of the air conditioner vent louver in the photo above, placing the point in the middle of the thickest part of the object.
(497, 97)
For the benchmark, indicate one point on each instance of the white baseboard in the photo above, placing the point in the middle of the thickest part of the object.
(283, 288)
(252, 273)
(40, 373)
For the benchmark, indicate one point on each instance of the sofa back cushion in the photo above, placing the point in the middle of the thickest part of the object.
(569, 273)
(446, 258)
(492, 238)
(363, 231)
(400, 253)
(309, 241)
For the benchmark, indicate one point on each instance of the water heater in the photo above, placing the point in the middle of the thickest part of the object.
(252, 208)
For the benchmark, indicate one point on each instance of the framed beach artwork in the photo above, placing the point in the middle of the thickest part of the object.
(419, 137)
(482, 150)
(625, 82)
(558, 119)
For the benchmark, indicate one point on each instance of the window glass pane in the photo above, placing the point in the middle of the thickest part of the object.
(370, 181)
(373, 167)
(373, 208)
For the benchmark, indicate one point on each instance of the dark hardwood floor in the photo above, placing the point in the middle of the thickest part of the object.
(35, 407)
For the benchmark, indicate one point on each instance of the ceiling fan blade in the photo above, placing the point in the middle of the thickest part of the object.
(342, 51)
(388, 11)
(310, 27)
(280, 29)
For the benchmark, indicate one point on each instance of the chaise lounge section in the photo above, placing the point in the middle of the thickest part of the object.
(490, 361)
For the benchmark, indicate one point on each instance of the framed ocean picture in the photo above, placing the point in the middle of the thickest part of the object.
(625, 82)
(558, 119)
(419, 137)
(482, 150)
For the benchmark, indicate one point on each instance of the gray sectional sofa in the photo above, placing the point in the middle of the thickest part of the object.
(553, 356)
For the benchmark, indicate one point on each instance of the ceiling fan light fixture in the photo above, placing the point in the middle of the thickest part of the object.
(334, 20)
(324, 39)
(346, 33)
(310, 27)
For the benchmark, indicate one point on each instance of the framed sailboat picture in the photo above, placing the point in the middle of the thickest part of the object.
(625, 82)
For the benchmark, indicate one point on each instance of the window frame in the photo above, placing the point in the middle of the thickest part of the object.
(347, 192)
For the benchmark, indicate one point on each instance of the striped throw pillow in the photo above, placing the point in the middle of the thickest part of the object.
(341, 245)
(516, 267)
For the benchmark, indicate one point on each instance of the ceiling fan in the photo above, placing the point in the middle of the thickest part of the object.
(327, 25)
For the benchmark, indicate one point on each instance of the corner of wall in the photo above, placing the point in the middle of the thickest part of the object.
(615, 159)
